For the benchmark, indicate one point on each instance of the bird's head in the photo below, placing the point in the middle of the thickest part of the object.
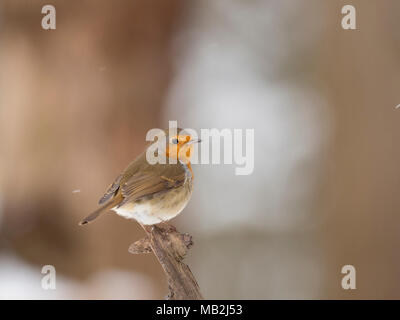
(180, 146)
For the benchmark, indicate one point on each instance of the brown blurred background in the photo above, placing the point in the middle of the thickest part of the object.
(76, 103)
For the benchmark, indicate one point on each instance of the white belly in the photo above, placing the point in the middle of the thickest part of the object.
(143, 214)
(155, 211)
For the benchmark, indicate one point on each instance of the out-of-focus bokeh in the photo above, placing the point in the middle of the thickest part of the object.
(76, 103)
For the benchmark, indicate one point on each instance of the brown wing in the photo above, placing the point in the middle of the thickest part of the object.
(147, 183)
(112, 189)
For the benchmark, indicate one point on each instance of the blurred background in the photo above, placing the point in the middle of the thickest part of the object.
(76, 103)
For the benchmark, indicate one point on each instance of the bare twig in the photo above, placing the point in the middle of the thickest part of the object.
(170, 247)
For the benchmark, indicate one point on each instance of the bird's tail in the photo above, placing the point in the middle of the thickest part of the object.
(100, 210)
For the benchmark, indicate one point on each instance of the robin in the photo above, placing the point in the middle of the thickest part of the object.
(152, 193)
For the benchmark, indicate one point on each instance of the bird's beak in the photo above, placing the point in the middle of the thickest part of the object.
(194, 141)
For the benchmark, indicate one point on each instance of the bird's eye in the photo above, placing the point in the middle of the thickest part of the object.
(175, 141)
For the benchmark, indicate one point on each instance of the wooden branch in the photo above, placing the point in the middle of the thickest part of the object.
(170, 247)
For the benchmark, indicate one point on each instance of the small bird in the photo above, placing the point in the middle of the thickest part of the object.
(156, 193)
